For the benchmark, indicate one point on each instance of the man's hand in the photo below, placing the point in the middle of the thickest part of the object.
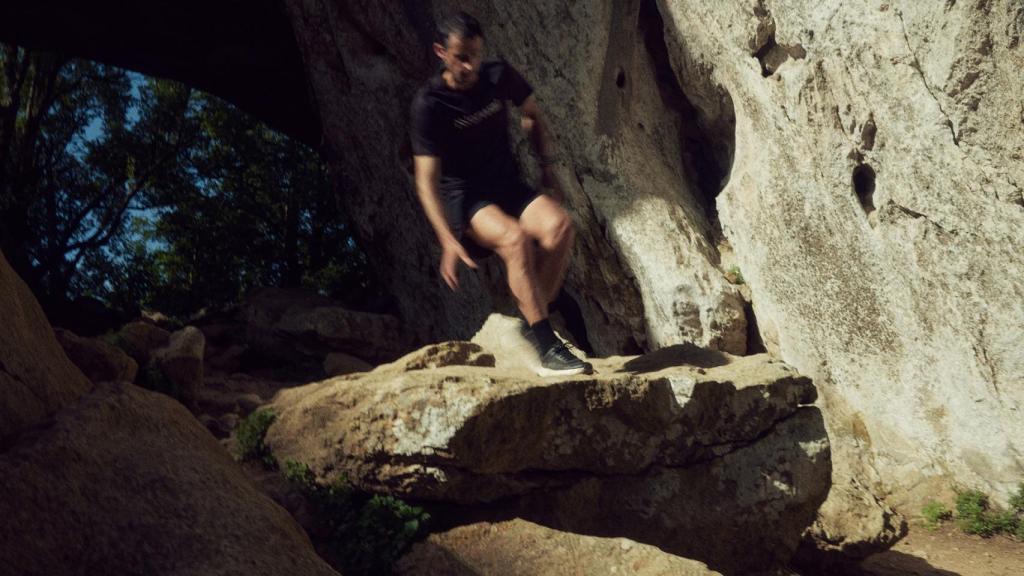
(451, 253)
(549, 181)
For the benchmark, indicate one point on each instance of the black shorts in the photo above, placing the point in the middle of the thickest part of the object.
(461, 205)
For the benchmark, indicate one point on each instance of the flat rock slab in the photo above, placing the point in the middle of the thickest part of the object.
(521, 548)
(722, 449)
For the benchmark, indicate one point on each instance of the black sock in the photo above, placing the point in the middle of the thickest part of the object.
(544, 334)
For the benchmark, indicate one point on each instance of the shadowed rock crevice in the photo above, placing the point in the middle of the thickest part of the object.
(707, 151)
(755, 342)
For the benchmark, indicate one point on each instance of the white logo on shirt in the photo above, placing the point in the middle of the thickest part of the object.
(478, 116)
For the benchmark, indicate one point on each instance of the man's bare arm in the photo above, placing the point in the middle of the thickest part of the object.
(541, 139)
(536, 128)
(428, 178)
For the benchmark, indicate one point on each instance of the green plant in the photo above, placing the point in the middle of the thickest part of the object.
(1017, 504)
(385, 529)
(298, 474)
(367, 533)
(1017, 500)
(972, 513)
(976, 516)
(152, 378)
(737, 276)
(249, 438)
(935, 513)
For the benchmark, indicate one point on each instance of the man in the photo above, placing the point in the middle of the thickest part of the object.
(468, 182)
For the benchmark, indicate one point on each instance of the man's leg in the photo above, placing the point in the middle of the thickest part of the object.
(545, 221)
(491, 228)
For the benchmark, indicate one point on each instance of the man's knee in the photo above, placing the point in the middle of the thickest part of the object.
(558, 232)
(512, 243)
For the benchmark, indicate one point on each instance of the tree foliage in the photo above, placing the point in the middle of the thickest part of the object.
(142, 191)
(64, 194)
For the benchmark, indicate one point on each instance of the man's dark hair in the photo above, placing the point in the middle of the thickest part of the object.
(462, 25)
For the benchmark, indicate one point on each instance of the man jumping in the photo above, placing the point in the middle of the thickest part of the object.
(468, 182)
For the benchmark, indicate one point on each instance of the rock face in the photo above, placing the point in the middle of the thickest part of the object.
(875, 207)
(520, 548)
(36, 378)
(125, 481)
(98, 360)
(647, 449)
(645, 270)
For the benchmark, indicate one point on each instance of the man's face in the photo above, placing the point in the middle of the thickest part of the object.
(462, 59)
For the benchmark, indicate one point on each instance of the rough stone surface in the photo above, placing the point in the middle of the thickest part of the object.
(444, 354)
(875, 207)
(98, 360)
(521, 548)
(308, 324)
(181, 361)
(36, 377)
(126, 481)
(644, 449)
(851, 524)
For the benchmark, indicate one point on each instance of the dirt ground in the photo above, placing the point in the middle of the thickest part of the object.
(947, 551)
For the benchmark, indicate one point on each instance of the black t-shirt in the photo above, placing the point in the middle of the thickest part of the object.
(468, 129)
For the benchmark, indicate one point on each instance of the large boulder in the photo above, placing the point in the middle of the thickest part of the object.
(112, 479)
(300, 323)
(140, 339)
(98, 360)
(125, 481)
(521, 548)
(181, 361)
(720, 460)
(36, 377)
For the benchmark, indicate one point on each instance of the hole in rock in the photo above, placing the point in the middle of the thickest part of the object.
(772, 55)
(620, 78)
(864, 187)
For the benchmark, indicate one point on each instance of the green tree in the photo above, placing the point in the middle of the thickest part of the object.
(63, 194)
(260, 206)
(143, 191)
